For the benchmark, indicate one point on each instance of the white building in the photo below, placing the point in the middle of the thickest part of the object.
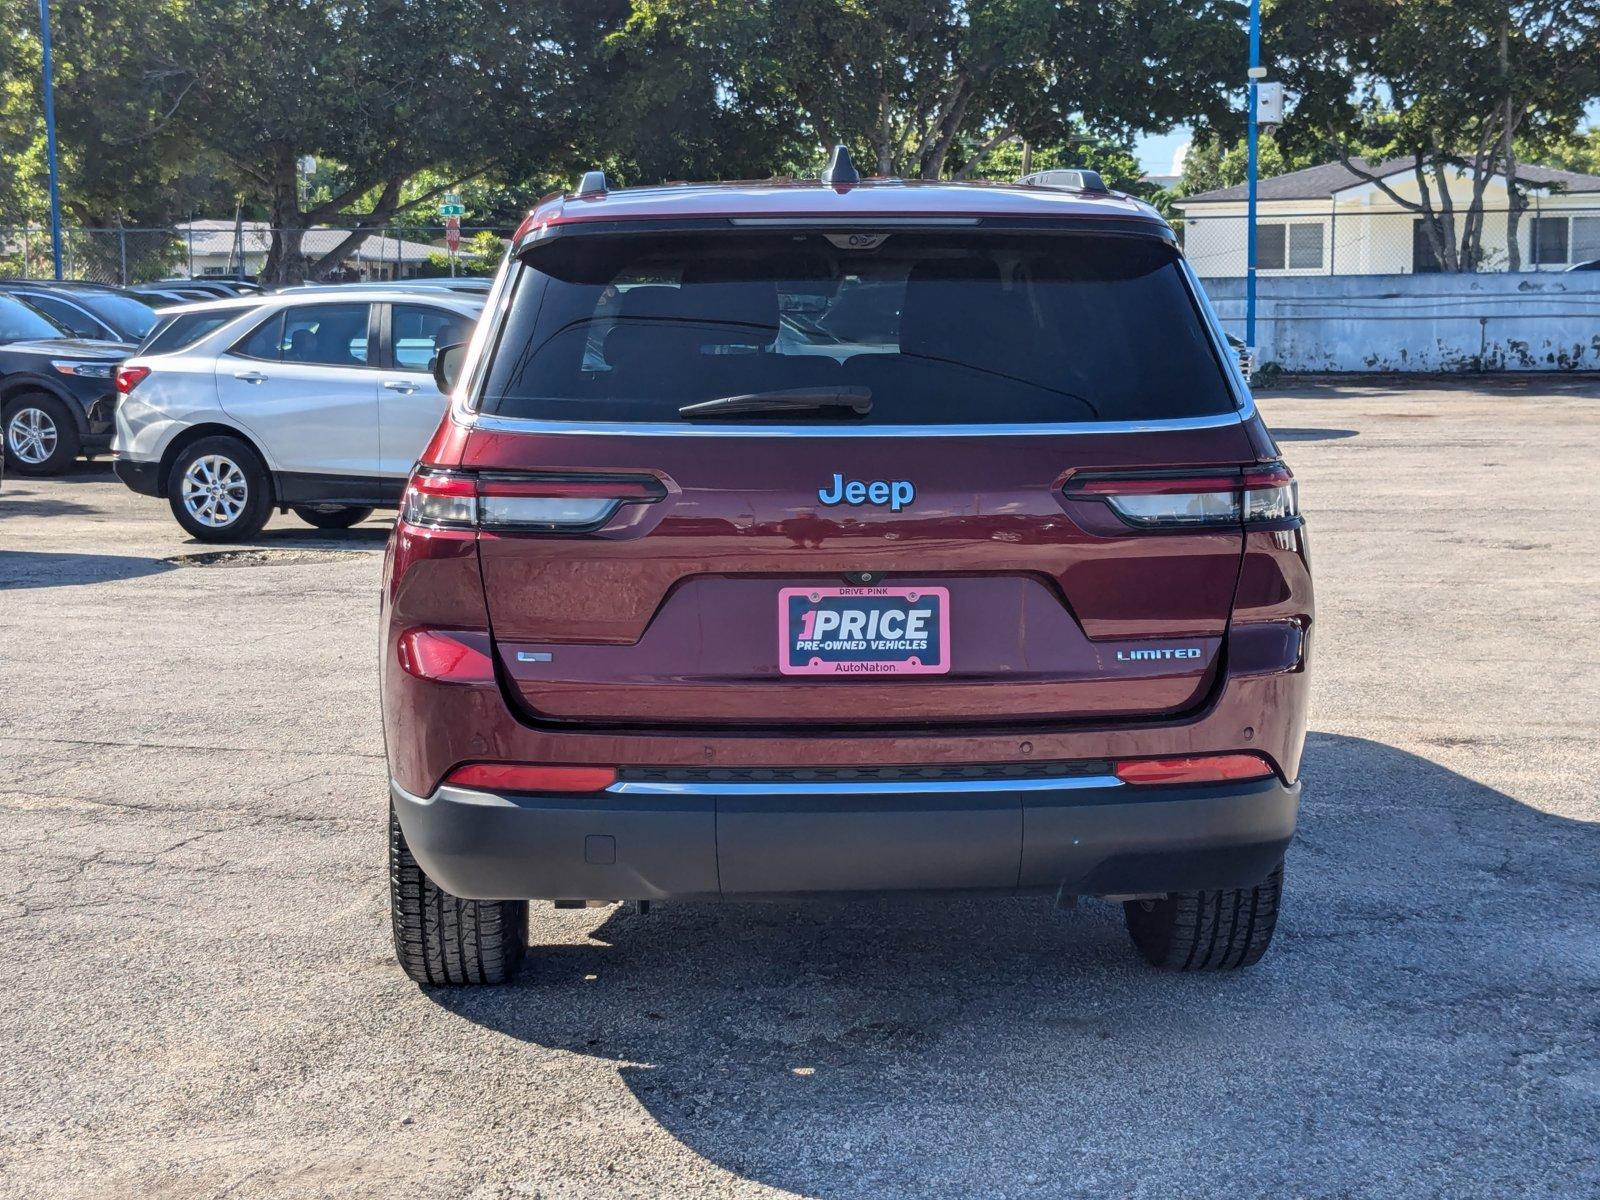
(209, 249)
(1327, 220)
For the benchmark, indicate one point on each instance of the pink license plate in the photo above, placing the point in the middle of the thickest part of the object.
(864, 631)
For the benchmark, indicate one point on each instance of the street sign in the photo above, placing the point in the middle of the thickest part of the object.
(451, 210)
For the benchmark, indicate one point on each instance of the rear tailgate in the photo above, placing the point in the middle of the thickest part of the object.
(1056, 610)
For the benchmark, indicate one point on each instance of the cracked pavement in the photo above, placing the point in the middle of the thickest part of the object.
(201, 1000)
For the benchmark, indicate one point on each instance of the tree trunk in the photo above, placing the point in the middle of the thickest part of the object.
(286, 263)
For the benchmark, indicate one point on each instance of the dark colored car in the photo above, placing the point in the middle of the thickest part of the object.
(91, 311)
(57, 398)
(806, 539)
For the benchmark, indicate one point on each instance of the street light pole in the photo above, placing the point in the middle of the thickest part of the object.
(1256, 72)
(50, 134)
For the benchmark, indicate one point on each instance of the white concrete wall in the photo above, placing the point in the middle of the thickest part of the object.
(1424, 323)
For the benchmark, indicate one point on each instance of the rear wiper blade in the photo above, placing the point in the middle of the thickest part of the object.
(857, 400)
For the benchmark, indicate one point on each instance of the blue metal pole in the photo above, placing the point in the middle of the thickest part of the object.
(50, 135)
(1250, 176)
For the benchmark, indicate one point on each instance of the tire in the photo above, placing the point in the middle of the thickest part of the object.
(41, 437)
(1207, 931)
(331, 516)
(441, 939)
(240, 506)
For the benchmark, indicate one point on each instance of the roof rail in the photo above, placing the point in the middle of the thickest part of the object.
(593, 183)
(1077, 179)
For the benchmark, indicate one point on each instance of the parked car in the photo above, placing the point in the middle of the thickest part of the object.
(1592, 265)
(91, 311)
(308, 402)
(1011, 595)
(56, 395)
(463, 283)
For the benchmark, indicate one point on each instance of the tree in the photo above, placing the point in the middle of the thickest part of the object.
(1449, 88)
(925, 88)
(377, 91)
(1208, 164)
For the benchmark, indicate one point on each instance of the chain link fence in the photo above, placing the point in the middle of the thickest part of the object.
(1554, 233)
(222, 249)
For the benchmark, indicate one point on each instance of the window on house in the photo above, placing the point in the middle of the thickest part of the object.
(1585, 239)
(1549, 244)
(1270, 247)
(1296, 247)
(1424, 258)
(1305, 247)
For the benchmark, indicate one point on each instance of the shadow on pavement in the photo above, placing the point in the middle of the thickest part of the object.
(41, 569)
(1312, 435)
(1420, 1017)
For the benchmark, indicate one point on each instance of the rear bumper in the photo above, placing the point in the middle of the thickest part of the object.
(1080, 835)
(139, 476)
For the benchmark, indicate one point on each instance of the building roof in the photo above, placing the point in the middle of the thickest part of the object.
(215, 237)
(843, 204)
(1324, 181)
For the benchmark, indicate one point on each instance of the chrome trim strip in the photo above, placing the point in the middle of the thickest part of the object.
(866, 787)
(494, 424)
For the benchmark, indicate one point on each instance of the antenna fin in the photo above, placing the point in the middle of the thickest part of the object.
(840, 169)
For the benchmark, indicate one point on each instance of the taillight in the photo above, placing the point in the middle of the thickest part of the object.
(531, 777)
(1253, 495)
(128, 378)
(545, 502)
(1199, 768)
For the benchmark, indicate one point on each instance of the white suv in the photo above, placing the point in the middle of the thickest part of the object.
(316, 401)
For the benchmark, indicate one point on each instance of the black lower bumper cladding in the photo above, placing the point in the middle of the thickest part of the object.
(1086, 835)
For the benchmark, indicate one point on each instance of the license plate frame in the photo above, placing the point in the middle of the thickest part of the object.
(796, 659)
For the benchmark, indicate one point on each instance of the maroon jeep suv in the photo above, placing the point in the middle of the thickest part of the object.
(841, 538)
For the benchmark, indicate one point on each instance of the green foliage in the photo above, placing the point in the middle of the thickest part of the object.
(480, 254)
(1207, 165)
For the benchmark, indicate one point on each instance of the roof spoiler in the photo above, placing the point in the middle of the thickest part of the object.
(1077, 179)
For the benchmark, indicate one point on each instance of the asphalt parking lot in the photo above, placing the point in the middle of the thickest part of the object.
(200, 999)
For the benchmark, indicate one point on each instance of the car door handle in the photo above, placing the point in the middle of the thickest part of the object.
(250, 376)
(404, 386)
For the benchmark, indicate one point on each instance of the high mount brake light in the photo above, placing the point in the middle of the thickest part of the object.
(128, 378)
(531, 777)
(1205, 498)
(545, 502)
(1200, 768)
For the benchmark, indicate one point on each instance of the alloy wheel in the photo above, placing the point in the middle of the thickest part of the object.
(215, 491)
(31, 435)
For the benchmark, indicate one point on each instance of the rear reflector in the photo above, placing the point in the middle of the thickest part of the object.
(128, 378)
(446, 657)
(528, 777)
(546, 502)
(1205, 768)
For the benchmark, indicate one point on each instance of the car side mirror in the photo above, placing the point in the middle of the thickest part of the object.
(447, 362)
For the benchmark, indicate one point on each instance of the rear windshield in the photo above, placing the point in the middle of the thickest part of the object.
(124, 312)
(936, 328)
(185, 329)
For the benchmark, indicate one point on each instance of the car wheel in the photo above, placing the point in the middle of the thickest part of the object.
(1207, 931)
(40, 436)
(331, 516)
(443, 939)
(219, 490)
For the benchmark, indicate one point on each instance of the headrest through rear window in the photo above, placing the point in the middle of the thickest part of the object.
(953, 308)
